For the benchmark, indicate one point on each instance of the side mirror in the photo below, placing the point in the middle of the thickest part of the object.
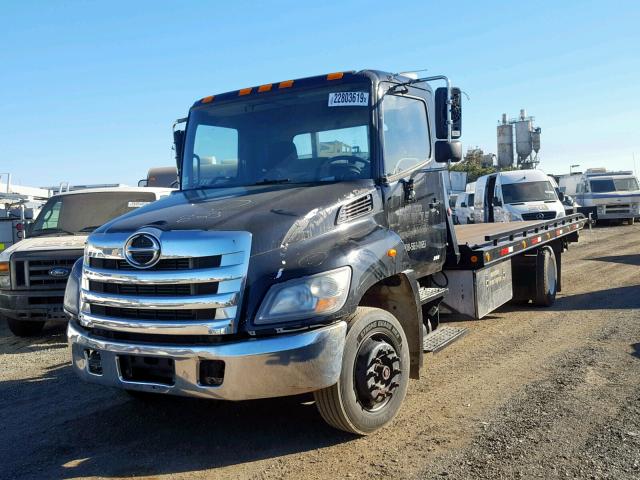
(560, 196)
(28, 228)
(497, 202)
(463, 205)
(441, 113)
(178, 144)
(143, 183)
(448, 151)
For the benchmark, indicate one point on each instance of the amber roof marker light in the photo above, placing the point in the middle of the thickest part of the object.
(335, 76)
(245, 91)
(286, 84)
(208, 99)
(265, 88)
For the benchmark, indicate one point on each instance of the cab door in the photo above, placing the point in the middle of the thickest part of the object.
(414, 193)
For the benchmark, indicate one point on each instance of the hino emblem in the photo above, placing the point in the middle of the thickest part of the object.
(142, 250)
(59, 272)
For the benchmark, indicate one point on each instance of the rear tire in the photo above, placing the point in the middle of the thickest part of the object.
(546, 278)
(21, 328)
(374, 377)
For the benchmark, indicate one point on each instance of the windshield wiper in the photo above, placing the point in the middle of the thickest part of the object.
(277, 181)
(47, 231)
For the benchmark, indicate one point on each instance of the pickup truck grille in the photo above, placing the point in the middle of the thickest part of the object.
(32, 271)
(195, 288)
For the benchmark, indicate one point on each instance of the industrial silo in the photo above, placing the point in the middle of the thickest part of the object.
(535, 139)
(523, 136)
(505, 143)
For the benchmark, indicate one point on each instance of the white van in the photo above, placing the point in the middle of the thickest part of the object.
(604, 195)
(516, 195)
(464, 208)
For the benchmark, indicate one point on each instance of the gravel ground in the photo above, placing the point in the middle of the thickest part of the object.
(528, 393)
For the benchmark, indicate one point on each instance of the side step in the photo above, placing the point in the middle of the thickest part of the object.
(431, 294)
(442, 337)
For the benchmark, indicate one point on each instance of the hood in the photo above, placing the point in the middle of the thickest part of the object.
(275, 215)
(36, 244)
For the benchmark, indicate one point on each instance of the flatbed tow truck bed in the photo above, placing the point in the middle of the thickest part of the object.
(482, 244)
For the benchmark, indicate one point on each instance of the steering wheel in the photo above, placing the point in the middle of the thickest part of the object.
(350, 165)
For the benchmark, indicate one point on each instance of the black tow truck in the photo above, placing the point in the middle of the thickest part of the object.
(309, 249)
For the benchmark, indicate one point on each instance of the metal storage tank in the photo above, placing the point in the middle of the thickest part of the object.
(535, 139)
(505, 143)
(523, 136)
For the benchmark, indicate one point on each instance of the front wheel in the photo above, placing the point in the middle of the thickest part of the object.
(374, 377)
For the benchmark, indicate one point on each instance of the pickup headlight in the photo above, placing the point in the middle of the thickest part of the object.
(5, 279)
(514, 217)
(320, 294)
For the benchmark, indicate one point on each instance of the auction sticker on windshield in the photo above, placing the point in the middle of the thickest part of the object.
(349, 99)
(137, 204)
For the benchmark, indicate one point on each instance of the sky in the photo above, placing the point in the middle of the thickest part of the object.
(89, 90)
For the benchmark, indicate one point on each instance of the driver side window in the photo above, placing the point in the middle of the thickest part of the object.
(405, 133)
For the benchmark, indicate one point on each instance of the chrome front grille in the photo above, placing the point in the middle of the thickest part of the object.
(194, 289)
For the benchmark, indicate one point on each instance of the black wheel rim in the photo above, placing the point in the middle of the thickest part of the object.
(377, 372)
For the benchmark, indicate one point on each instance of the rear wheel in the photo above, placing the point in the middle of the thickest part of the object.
(374, 377)
(23, 328)
(546, 278)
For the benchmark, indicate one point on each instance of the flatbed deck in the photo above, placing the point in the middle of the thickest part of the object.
(473, 234)
(481, 244)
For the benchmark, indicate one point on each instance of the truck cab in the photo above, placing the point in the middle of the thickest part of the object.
(34, 271)
(515, 196)
(292, 257)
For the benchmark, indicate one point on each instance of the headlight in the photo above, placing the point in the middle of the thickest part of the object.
(320, 294)
(635, 207)
(601, 208)
(514, 217)
(5, 279)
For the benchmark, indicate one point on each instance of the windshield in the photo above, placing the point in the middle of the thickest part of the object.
(614, 185)
(84, 212)
(528, 192)
(319, 135)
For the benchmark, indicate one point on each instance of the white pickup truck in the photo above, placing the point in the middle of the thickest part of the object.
(34, 271)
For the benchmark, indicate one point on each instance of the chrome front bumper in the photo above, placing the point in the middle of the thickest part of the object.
(287, 364)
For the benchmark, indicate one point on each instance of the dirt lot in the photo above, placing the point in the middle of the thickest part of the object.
(531, 393)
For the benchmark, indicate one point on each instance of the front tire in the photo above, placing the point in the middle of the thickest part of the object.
(374, 377)
(21, 328)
